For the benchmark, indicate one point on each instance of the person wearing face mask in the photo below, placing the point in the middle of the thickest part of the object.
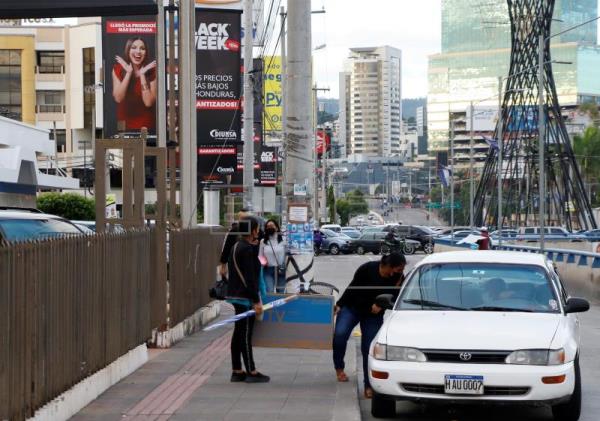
(243, 292)
(357, 305)
(272, 253)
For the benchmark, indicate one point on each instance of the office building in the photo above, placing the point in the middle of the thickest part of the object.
(371, 101)
(475, 52)
(51, 80)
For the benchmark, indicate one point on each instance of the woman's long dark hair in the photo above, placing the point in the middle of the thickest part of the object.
(277, 227)
(128, 45)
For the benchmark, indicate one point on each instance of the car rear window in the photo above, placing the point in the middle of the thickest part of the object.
(35, 229)
(479, 287)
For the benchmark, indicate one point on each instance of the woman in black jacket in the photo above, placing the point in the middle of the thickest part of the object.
(243, 293)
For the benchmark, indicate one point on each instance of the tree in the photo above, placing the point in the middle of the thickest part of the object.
(67, 205)
(591, 109)
(331, 204)
(353, 204)
(587, 151)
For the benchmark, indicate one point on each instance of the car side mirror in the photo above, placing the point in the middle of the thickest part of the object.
(575, 305)
(385, 301)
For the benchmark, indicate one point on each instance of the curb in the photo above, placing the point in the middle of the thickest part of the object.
(347, 407)
(188, 327)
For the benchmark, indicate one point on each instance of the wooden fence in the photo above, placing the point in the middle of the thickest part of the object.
(69, 307)
(194, 256)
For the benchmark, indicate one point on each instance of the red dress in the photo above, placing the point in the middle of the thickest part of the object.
(131, 109)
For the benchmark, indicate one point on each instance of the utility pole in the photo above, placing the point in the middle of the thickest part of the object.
(283, 17)
(187, 122)
(319, 211)
(248, 134)
(471, 171)
(172, 118)
(542, 142)
(300, 165)
(500, 152)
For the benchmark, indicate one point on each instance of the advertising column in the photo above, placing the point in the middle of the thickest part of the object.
(130, 84)
(218, 91)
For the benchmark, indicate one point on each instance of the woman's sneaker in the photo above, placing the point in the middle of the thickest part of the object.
(257, 378)
(238, 377)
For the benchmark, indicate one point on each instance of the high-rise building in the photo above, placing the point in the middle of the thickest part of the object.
(371, 101)
(476, 52)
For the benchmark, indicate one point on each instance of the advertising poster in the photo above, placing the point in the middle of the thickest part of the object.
(485, 118)
(215, 163)
(218, 79)
(269, 160)
(272, 95)
(299, 234)
(130, 82)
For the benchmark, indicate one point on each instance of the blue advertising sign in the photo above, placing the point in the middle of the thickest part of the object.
(522, 119)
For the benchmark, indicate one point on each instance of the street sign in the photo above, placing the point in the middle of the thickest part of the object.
(434, 205)
(457, 205)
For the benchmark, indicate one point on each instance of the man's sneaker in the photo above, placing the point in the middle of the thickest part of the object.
(257, 378)
(238, 377)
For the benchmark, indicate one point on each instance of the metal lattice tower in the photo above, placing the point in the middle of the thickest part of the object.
(566, 202)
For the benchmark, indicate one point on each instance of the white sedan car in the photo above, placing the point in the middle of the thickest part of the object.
(479, 326)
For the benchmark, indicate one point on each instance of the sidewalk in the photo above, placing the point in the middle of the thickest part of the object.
(191, 382)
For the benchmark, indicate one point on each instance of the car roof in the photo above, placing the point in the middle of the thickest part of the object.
(485, 256)
(16, 214)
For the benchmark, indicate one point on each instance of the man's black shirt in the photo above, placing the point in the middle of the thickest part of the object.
(367, 285)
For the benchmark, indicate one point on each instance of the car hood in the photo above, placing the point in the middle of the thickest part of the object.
(470, 330)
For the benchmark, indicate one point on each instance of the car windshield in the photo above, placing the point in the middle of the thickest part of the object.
(33, 229)
(479, 287)
(330, 233)
(426, 230)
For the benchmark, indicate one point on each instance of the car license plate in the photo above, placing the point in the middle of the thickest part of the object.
(463, 385)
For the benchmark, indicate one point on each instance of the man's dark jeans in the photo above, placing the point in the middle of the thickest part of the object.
(347, 319)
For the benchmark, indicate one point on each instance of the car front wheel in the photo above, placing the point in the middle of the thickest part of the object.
(408, 249)
(382, 407)
(334, 249)
(360, 250)
(428, 248)
(571, 409)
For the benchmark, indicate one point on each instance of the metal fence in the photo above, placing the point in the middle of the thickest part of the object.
(69, 308)
(194, 256)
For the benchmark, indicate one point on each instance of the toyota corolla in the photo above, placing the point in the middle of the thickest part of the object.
(479, 326)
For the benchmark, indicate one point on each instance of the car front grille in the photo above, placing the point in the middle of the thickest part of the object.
(469, 357)
(433, 389)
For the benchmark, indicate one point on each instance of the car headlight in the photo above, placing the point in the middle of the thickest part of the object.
(537, 357)
(397, 353)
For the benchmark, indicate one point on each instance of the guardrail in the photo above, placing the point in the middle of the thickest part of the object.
(579, 269)
(70, 307)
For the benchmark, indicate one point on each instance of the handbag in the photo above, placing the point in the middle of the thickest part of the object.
(219, 290)
(280, 266)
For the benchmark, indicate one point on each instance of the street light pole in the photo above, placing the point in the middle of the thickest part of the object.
(542, 141)
(452, 180)
(248, 134)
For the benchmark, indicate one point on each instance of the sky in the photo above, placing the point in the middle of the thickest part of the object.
(413, 27)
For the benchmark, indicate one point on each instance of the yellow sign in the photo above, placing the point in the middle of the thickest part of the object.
(273, 96)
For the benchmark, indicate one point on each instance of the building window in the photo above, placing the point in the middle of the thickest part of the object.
(50, 101)
(60, 136)
(10, 84)
(89, 84)
(51, 61)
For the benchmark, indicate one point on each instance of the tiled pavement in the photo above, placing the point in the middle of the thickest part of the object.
(191, 382)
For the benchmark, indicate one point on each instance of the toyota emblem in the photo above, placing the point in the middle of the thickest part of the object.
(465, 356)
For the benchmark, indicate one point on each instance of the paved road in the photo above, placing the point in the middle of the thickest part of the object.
(339, 270)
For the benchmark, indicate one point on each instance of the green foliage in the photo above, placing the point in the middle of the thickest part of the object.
(591, 109)
(587, 151)
(331, 204)
(379, 189)
(353, 204)
(67, 205)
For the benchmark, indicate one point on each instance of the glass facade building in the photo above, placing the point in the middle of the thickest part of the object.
(475, 53)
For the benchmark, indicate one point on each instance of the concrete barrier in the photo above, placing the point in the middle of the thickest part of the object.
(578, 267)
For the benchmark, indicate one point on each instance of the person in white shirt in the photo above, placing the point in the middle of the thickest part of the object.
(272, 251)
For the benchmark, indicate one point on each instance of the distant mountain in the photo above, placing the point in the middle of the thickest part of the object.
(409, 107)
(329, 105)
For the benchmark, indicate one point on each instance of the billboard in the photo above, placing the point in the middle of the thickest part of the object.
(218, 80)
(484, 118)
(220, 4)
(75, 8)
(272, 94)
(522, 118)
(130, 77)
(215, 163)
